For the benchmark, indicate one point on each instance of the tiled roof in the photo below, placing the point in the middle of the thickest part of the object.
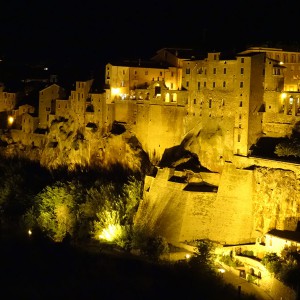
(286, 234)
(141, 64)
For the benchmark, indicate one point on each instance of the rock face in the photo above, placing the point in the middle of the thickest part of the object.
(69, 145)
(276, 200)
(229, 202)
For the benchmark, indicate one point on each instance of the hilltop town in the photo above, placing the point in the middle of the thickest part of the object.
(180, 106)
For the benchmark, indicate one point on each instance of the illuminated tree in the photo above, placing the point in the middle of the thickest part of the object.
(57, 210)
(114, 214)
(272, 262)
(204, 256)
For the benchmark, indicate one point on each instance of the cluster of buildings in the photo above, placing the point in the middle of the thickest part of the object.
(247, 95)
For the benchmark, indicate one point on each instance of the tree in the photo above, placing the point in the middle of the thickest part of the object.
(56, 210)
(204, 256)
(272, 262)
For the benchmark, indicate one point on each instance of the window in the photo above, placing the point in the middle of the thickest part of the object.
(242, 71)
(240, 116)
(224, 83)
(241, 84)
(123, 72)
(239, 137)
(214, 85)
(172, 74)
(215, 56)
(241, 103)
(195, 101)
(204, 83)
(198, 85)
(172, 86)
(215, 71)
(187, 84)
(135, 72)
(187, 71)
(242, 60)
(209, 103)
(224, 71)
(157, 91)
(160, 73)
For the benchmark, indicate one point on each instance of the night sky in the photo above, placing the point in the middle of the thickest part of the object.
(95, 31)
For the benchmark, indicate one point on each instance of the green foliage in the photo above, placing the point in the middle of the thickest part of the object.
(272, 262)
(248, 253)
(150, 245)
(288, 148)
(56, 207)
(230, 261)
(204, 256)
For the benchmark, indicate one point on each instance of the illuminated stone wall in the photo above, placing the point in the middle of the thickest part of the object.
(179, 215)
(47, 99)
(159, 127)
(248, 204)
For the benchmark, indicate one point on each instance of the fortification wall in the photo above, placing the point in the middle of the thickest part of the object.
(159, 127)
(179, 215)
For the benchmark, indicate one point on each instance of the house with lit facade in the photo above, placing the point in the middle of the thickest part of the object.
(251, 94)
(242, 97)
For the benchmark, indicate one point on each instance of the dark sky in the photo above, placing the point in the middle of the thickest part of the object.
(87, 31)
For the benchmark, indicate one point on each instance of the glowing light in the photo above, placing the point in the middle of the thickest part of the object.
(10, 120)
(187, 256)
(283, 95)
(110, 233)
(115, 91)
(221, 270)
(29, 232)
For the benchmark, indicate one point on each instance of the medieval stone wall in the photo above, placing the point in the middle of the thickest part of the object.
(247, 204)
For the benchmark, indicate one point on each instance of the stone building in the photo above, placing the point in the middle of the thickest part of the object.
(47, 103)
(238, 98)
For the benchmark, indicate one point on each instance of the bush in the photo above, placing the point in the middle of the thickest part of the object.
(151, 246)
